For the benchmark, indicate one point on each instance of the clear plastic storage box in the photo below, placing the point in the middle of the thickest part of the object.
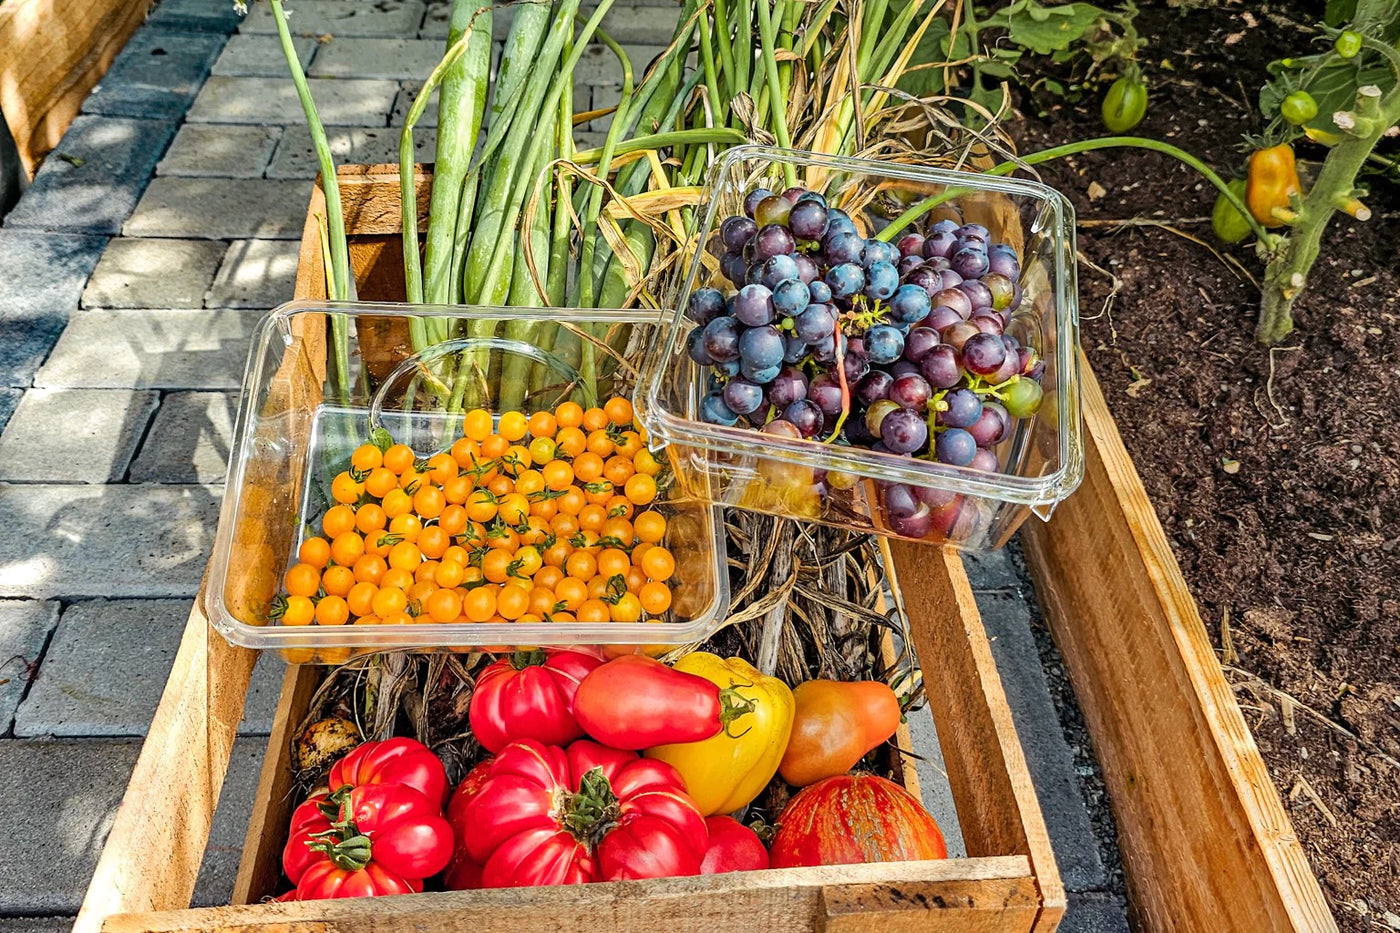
(299, 422)
(1040, 460)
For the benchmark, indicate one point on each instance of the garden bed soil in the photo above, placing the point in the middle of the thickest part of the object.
(1276, 474)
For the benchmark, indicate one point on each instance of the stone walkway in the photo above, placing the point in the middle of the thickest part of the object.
(131, 275)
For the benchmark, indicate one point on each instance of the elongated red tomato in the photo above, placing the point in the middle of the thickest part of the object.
(529, 695)
(547, 815)
(636, 702)
(855, 818)
(733, 847)
(462, 872)
(392, 761)
(392, 827)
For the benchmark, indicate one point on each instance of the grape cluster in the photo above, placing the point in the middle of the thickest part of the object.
(896, 347)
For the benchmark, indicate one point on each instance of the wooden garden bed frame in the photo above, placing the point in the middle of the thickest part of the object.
(1206, 841)
(146, 875)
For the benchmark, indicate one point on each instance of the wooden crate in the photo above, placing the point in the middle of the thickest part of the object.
(1206, 842)
(146, 874)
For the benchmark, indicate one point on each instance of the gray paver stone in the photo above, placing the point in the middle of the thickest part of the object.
(157, 74)
(198, 15)
(25, 625)
(340, 18)
(189, 441)
(74, 435)
(221, 208)
(95, 176)
(36, 924)
(350, 145)
(340, 101)
(256, 274)
(44, 277)
(150, 272)
(1048, 756)
(225, 849)
(105, 669)
(1095, 913)
(255, 55)
(991, 571)
(116, 541)
(345, 57)
(151, 350)
(220, 151)
(9, 398)
(25, 340)
(58, 800)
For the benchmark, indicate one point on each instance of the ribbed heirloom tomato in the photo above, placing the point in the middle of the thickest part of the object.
(393, 761)
(529, 695)
(548, 815)
(855, 818)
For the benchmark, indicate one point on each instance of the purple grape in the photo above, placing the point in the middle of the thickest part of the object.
(815, 322)
(959, 334)
(780, 428)
(742, 397)
(794, 348)
(845, 279)
(1001, 259)
(918, 342)
(754, 275)
(721, 339)
(825, 391)
(988, 322)
(880, 251)
(903, 368)
(820, 291)
(934, 498)
(811, 196)
(908, 264)
(970, 263)
(917, 525)
(1016, 296)
(884, 344)
(910, 304)
(761, 347)
(944, 226)
(999, 290)
(881, 280)
(772, 210)
(991, 429)
(808, 220)
(1007, 369)
(938, 244)
(791, 296)
(713, 410)
(856, 432)
(977, 293)
(911, 244)
(790, 386)
(855, 365)
(754, 305)
(940, 367)
(930, 280)
(737, 231)
(875, 416)
(777, 269)
(752, 199)
(705, 305)
(807, 269)
(903, 431)
(772, 240)
(805, 416)
(955, 446)
(957, 300)
(983, 353)
(899, 500)
(950, 278)
(734, 267)
(911, 391)
(941, 318)
(960, 408)
(756, 372)
(874, 386)
(974, 230)
(985, 460)
(1030, 364)
(843, 246)
(695, 347)
(824, 350)
(972, 242)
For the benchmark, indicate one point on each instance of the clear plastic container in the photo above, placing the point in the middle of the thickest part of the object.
(1041, 460)
(295, 433)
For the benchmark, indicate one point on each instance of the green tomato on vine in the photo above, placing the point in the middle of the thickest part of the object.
(1298, 108)
(1125, 104)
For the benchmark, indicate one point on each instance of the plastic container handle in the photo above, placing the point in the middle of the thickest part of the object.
(417, 362)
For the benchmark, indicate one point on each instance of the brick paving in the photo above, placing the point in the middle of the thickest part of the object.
(136, 266)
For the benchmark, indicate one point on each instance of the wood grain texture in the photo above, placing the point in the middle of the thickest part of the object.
(779, 900)
(996, 801)
(1206, 842)
(52, 53)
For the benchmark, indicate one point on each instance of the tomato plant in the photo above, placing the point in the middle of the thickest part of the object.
(392, 761)
(733, 847)
(855, 818)
(836, 724)
(529, 695)
(636, 702)
(548, 815)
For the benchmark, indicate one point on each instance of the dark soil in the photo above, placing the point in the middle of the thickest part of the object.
(1276, 474)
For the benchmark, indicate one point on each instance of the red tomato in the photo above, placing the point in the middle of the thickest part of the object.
(462, 873)
(391, 827)
(733, 847)
(393, 761)
(284, 898)
(529, 695)
(637, 702)
(855, 818)
(549, 815)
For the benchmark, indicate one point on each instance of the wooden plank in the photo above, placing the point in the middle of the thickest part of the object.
(996, 801)
(1206, 842)
(782, 899)
(52, 53)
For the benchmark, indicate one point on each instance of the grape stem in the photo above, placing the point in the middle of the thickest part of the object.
(1074, 148)
(840, 378)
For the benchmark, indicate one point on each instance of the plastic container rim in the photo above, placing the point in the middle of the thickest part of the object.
(436, 634)
(1047, 489)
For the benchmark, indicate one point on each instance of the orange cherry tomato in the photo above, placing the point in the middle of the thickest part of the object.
(548, 577)
(405, 556)
(315, 551)
(480, 604)
(476, 424)
(388, 600)
(465, 452)
(658, 564)
(441, 467)
(360, 599)
(396, 502)
(594, 610)
(399, 458)
(572, 501)
(370, 569)
(337, 580)
(613, 562)
(496, 565)
(338, 520)
(298, 610)
(581, 565)
(542, 424)
(627, 608)
(381, 481)
(601, 444)
(655, 597)
(570, 442)
(406, 527)
(449, 574)
(345, 489)
(493, 446)
(569, 415)
(433, 542)
(641, 489)
(619, 531)
(302, 580)
(618, 470)
(365, 458)
(558, 475)
(443, 605)
(332, 610)
(347, 548)
(646, 463)
(452, 520)
(370, 517)
(618, 410)
(595, 419)
(571, 592)
(429, 501)
(512, 602)
(650, 527)
(630, 444)
(396, 579)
